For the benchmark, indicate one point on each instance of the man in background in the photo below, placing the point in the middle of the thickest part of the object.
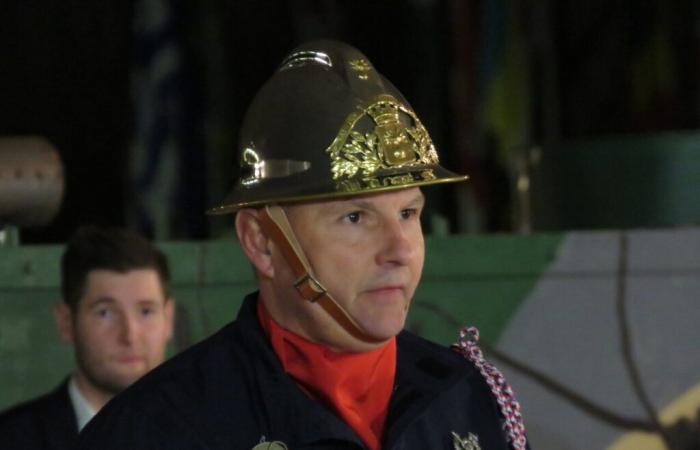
(117, 313)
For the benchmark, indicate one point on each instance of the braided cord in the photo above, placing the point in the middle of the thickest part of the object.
(513, 425)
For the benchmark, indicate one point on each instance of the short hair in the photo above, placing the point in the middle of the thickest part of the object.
(116, 249)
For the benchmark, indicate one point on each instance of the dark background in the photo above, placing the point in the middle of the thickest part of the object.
(143, 98)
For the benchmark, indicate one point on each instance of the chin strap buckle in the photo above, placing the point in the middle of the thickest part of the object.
(309, 288)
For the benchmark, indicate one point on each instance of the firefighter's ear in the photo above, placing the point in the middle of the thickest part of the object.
(256, 244)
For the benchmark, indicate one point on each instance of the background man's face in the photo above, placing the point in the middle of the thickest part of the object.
(368, 252)
(120, 328)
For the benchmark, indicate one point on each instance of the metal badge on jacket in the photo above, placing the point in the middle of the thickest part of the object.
(471, 442)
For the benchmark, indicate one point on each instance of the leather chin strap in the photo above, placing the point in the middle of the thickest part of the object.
(274, 222)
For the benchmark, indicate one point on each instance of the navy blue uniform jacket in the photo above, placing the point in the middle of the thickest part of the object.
(231, 392)
(46, 423)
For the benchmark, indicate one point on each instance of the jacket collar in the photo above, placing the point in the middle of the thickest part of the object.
(424, 371)
(285, 406)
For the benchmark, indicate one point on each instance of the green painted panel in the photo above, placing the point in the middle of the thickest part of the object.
(32, 358)
(618, 182)
(30, 267)
(476, 280)
(442, 307)
(485, 256)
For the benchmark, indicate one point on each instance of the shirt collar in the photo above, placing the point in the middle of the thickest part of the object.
(83, 411)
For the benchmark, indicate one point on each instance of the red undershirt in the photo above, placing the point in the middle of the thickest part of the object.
(357, 386)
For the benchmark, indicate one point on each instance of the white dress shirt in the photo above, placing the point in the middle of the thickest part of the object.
(83, 411)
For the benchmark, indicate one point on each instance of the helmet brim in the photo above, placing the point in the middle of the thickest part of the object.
(297, 189)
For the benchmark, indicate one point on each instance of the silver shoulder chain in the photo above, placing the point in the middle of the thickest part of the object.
(513, 425)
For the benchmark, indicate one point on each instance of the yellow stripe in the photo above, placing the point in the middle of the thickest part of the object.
(684, 406)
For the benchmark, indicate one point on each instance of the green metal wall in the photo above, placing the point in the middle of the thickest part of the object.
(478, 280)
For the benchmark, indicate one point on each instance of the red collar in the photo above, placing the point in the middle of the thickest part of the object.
(357, 386)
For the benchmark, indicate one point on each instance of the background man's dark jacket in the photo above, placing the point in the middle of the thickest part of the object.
(230, 392)
(46, 423)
